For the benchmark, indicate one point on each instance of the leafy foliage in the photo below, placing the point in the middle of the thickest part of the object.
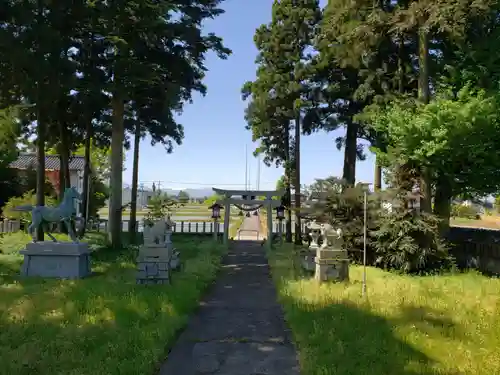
(463, 211)
(160, 206)
(183, 197)
(27, 198)
(212, 199)
(334, 201)
(409, 242)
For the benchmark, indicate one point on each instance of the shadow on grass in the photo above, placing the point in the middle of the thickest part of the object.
(104, 324)
(336, 336)
(431, 322)
(344, 339)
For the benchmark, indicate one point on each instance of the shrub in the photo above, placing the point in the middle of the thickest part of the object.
(343, 207)
(410, 242)
(28, 198)
(11, 243)
(160, 206)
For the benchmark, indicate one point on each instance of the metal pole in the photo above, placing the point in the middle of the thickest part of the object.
(364, 246)
(216, 231)
(246, 167)
(258, 173)
(280, 222)
(88, 200)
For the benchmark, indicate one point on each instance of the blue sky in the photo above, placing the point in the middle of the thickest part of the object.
(213, 151)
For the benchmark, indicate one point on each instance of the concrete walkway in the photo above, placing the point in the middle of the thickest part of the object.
(239, 328)
(250, 229)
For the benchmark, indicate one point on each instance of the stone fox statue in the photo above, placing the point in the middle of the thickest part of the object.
(41, 215)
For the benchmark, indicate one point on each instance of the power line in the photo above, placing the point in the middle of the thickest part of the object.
(215, 184)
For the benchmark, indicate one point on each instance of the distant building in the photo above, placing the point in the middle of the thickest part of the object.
(28, 161)
(143, 196)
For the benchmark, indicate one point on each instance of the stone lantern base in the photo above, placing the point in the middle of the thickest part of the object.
(308, 259)
(153, 264)
(331, 265)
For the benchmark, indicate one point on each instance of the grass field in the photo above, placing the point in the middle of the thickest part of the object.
(102, 325)
(446, 325)
(193, 210)
(491, 222)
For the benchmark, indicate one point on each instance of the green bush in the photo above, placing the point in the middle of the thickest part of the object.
(342, 206)
(465, 212)
(11, 243)
(28, 198)
(409, 242)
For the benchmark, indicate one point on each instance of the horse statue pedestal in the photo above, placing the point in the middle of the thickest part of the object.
(157, 257)
(63, 260)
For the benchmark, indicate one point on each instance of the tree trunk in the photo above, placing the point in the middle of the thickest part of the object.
(86, 174)
(135, 181)
(298, 234)
(64, 164)
(62, 181)
(288, 190)
(117, 138)
(64, 154)
(40, 170)
(378, 176)
(424, 96)
(442, 203)
(401, 72)
(350, 154)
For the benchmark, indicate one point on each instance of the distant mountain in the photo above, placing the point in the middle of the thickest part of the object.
(193, 193)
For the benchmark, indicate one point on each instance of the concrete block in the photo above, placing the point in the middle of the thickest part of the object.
(64, 260)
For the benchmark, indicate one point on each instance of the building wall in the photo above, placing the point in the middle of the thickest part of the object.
(76, 181)
(143, 197)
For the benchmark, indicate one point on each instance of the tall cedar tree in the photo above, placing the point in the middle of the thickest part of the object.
(431, 21)
(283, 74)
(353, 72)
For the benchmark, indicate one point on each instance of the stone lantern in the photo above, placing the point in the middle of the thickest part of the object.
(314, 234)
(216, 216)
(331, 261)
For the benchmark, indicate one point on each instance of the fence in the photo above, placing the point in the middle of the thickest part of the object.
(8, 226)
(276, 226)
(476, 248)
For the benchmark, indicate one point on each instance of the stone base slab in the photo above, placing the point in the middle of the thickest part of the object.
(64, 260)
(152, 273)
(332, 254)
(330, 269)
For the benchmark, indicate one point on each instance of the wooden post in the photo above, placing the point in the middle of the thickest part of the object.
(269, 224)
(227, 212)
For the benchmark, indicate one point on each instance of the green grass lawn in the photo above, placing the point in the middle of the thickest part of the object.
(102, 325)
(447, 325)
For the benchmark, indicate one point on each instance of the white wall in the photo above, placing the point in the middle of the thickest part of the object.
(77, 183)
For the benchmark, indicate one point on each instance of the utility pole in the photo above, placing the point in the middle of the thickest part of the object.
(249, 176)
(258, 172)
(246, 167)
(141, 197)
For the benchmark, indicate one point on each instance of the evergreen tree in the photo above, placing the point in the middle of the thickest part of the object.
(282, 87)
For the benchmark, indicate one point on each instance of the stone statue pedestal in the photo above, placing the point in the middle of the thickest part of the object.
(156, 260)
(331, 264)
(64, 260)
(153, 265)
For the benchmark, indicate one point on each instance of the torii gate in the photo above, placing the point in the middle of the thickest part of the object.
(253, 204)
